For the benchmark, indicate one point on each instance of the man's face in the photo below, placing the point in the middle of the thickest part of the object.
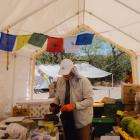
(69, 76)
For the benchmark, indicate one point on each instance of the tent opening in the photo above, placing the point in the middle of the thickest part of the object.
(111, 67)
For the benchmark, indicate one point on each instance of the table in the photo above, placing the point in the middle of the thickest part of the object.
(4, 125)
(37, 108)
(98, 104)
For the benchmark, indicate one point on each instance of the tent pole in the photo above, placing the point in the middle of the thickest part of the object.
(112, 81)
(130, 8)
(13, 85)
(84, 7)
(31, 80)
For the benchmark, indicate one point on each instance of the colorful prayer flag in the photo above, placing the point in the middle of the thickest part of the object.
(55, 44)
(37, 39)
(84, 39)
(70, 45)
(21, 40)
(7, 42)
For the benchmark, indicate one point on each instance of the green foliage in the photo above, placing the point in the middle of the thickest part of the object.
(125, 122)
(118, 67)
(131, 125)
(134, 128)
(50, 58)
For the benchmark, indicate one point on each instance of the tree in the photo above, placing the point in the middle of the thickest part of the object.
(54, 58)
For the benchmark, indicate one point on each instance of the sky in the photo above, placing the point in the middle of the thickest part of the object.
(105, 49)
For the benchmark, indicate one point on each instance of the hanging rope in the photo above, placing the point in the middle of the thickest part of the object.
(78, 14)
(7, 53)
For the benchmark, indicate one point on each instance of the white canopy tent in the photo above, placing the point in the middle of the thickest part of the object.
(116, 20)
(90, 71)
(84, 69)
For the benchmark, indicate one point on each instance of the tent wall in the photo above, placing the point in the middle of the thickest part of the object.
(21, 78)
(23, 73)
(15, 82)
(6, 83)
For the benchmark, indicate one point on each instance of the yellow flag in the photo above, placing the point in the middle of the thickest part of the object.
(21, 40)
(45, 77)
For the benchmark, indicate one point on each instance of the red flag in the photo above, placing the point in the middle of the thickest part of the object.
(55, 44)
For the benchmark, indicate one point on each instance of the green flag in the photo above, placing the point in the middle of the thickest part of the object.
(37, 39)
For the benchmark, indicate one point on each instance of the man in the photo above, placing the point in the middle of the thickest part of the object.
(73, 95)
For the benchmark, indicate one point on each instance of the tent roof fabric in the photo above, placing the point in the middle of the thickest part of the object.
(90, 71)
(118, 20)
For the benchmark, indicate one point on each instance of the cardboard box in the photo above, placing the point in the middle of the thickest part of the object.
(128, 93)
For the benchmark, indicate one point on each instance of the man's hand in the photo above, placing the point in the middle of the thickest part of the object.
(68, 107)
(54, 108)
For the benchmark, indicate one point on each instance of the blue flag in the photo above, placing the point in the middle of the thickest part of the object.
(84, 39)
(7, 42)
